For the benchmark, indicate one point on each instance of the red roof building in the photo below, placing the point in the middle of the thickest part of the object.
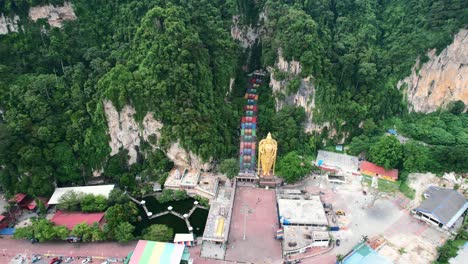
(371, 169)
(32, 204)
(19, 197)
(71, 219)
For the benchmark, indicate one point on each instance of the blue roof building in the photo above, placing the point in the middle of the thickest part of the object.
(363, 254)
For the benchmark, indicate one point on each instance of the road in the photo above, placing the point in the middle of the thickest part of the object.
(10, 247)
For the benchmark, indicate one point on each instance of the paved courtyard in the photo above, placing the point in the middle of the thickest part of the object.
(260, 245)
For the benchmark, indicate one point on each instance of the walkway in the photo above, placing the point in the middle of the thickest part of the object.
(183, 217)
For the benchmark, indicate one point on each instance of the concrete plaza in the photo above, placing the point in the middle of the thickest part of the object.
(260, 245)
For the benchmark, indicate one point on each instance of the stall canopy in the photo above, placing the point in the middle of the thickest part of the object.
(151, 252)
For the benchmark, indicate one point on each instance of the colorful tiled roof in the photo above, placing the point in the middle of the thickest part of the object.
(371, 167)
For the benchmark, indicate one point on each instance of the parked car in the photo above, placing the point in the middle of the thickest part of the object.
(73, 239)
(340, 212)
(69, 259)
(54, 260)
(87, 260)
(337, 242)
(36, 259)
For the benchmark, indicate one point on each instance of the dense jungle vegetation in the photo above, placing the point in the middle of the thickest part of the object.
(176, 57)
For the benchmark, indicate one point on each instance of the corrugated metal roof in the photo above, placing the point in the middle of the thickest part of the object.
(444, 204)
(371, 167)
(96, 190)
(19, 197)
(151, 252)
(332, 160)
(71, 219)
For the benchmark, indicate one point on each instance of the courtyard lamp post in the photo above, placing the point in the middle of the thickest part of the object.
(246, 210)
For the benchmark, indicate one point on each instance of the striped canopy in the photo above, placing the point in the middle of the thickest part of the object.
(147, 252)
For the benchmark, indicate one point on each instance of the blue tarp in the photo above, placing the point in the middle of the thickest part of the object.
(319, 163)
(7, 231)
(392, 131)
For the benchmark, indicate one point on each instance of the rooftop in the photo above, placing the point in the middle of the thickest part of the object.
(208, 182)
(191, 178)
(328, 159)
(296, 237)
(18, 198)
(363, 254)
(96, 190)
(183, 237)
(151, 252)
(302, 211)
(444, 204)
(217, 224)
(181, 176)
(374, 168)
(71, 219)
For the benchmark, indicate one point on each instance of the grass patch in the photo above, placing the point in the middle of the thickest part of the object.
(366, 180)
(406, 190)
(388, 186)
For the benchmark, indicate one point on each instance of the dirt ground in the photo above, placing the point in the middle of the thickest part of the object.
(388, 217)
(259, 246)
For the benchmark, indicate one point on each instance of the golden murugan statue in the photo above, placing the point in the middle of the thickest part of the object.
(267, 156)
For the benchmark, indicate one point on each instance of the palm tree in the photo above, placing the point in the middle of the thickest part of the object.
(365, 238)
(339, 258)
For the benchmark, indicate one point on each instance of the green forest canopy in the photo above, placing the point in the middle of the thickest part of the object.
(175, 58)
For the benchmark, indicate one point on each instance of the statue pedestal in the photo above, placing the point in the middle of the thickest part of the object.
(270, 181)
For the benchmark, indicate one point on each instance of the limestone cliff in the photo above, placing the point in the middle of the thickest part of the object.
(8, 24)
(186, 159)
(444, 78)
(126, 133)
(304, 97)
(246, 35)
(55, 15)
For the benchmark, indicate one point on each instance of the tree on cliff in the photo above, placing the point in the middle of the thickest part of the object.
(230, 167)
(387, 152)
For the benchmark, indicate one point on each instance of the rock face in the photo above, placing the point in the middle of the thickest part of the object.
(444, 78)
(55, 14)
(305, 96)
(246, 35)
(8, 24)
(126, 133)
(123, 130)
(185, 159)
